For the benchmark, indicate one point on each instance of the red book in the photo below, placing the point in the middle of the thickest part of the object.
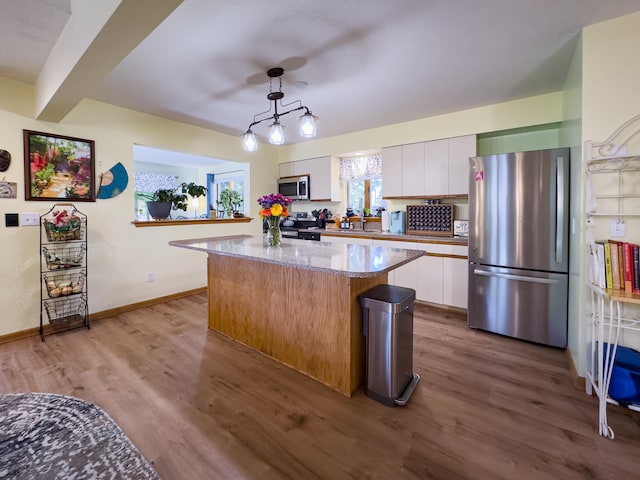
(621, 259)
(627, 254)
(636, 269)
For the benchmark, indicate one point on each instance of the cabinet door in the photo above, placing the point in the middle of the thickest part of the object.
(319, 178)
(429, 279)
(302, 167)
(455, 282)
(436, 167)
(392, 171)
(323, 177)
(286, 169)
(405, 275)
(413, 169)
(460, 149)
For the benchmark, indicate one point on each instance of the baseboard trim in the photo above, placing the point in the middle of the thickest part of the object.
(578, 381)
(112, 312)
(441, 306)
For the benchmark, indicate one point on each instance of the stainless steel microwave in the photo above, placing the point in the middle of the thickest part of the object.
(296, 188)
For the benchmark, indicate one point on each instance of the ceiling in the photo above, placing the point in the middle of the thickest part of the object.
(357, 64)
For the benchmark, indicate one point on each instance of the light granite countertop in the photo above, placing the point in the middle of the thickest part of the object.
(350, 260)
(403, 237)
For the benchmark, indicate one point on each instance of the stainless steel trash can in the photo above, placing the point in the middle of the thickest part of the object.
(387, 314)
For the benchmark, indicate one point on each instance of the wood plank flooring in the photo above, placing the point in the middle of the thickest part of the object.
(200, 406)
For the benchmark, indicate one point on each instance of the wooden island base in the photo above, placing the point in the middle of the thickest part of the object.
(308, 320)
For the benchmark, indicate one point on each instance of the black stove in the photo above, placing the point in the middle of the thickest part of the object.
(301, 228)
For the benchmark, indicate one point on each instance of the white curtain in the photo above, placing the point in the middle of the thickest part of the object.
(363, 167)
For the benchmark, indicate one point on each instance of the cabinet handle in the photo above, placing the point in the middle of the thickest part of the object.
(559, 209)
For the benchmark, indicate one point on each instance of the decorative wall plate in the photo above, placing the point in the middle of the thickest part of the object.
(5, 160)
(113, 181)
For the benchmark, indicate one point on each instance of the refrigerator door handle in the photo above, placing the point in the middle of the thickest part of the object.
(559, 209)
(509, 276)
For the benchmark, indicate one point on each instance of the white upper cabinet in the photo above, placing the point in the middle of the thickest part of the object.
(324, 176)
(286, 169)
(293, 169)
(436, 171)
(392, 171)
(460, 149)
(412, 169)
(428, 169)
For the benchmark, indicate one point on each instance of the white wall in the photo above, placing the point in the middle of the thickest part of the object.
(519, 113)
(119, 254)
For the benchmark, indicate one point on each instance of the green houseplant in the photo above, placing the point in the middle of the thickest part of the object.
(162, 201)
(230, 200)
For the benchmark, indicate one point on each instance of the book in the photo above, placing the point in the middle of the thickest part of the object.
(636, 269)
(621, 261)
(598, 276)
(607, 265)
(627, 254)
(615, 265)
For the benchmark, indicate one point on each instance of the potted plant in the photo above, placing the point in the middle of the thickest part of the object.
(162, 201)
(230, 200)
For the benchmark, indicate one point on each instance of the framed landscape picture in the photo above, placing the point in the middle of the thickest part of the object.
(58, 167)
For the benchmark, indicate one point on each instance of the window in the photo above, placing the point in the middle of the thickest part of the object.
(363, 177)
(218, 183)
(365, 194)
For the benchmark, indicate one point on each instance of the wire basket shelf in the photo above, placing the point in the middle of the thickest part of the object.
(64, 284)
(66, 311)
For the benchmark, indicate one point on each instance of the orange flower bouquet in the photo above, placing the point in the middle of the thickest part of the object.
(274, 206)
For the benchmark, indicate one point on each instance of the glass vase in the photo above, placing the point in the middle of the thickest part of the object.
(274, 235)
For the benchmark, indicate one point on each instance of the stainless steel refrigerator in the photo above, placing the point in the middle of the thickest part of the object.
(518, 240)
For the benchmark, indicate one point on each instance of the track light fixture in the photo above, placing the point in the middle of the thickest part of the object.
(276, 136)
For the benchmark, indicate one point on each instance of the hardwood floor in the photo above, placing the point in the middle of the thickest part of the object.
(200, 406)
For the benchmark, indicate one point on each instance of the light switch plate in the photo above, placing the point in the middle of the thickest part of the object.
(29, 220)
(10, 219)
(616, 228)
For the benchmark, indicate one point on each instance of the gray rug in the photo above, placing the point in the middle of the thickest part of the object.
(48, 436)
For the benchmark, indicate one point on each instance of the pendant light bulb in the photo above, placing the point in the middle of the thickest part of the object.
(276, 137)
(308, 125)
(249, 142)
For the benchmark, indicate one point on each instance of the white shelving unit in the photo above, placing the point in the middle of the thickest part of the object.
(612, 195)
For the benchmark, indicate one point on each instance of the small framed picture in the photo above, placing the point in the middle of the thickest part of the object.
(58, 167)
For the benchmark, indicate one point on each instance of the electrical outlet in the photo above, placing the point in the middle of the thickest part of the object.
(151, 276)
(29, 220)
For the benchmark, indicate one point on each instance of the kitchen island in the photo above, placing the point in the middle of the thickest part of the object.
(297, 303)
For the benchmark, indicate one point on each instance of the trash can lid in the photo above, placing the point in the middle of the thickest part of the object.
(387, 294)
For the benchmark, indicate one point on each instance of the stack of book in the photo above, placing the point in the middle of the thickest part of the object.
(616, 265)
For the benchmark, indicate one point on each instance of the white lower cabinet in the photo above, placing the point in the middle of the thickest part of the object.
(429, 286)
(454, 281)
(332, 239)
(436, 277)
